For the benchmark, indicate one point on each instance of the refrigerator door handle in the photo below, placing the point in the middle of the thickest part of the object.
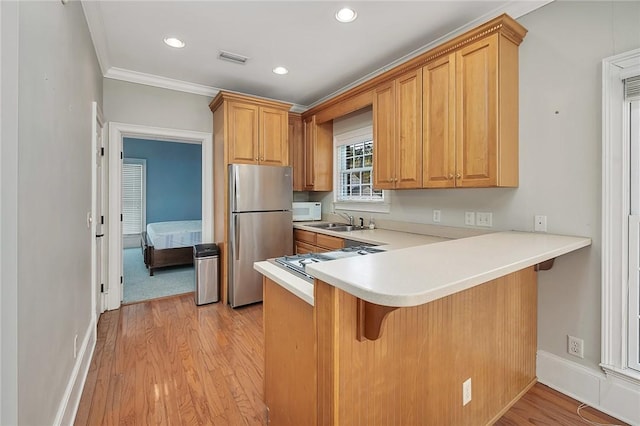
(234, 188)
(237, 236)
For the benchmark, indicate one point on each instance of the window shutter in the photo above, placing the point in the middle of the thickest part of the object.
(133, 175)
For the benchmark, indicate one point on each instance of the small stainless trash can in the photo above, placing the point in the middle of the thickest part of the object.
(206, 262)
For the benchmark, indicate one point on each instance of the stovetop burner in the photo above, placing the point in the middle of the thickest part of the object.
(298, 262)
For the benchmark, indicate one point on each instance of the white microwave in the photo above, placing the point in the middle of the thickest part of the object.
(304, 211)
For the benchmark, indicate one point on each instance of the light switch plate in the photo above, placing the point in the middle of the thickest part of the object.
(436, 216)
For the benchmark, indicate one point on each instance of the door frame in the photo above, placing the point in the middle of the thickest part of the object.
(117, 133)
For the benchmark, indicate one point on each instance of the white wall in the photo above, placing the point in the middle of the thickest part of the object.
(8, 213)
(560, 161)
(59, 78)
(133, 103)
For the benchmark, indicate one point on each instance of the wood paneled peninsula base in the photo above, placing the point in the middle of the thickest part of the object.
(320, 368)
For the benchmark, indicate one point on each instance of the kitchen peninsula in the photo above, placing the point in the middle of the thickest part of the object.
(390, 338)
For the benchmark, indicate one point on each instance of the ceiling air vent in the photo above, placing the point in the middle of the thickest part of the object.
(232, 57)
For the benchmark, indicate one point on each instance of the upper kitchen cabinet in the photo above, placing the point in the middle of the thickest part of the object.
(296, 150)
(255, 130)
(470, 116)
(397, 132)
(439, 160)
(318, 155)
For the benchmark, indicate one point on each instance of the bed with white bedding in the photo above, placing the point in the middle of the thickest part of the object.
(170, 243)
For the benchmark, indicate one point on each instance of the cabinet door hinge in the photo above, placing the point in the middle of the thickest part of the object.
(121, 155)
(121, 279)
(101, 288)
(102, 151)
(102, 220)
(120, 217)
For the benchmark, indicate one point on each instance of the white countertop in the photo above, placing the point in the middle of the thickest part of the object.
(293, 283)
(389, 240)
(418, 269)
(417, 275)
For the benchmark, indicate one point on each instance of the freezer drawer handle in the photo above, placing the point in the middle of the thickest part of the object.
(237, 237)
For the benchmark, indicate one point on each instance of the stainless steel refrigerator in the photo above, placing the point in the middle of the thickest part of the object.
(260, 225)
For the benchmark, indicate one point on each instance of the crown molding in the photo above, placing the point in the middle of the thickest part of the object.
(122, 74)
(93, 16)
(514, 9)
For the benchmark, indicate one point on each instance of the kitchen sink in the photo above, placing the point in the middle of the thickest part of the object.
(328, 225)
(343, 228)
(337, 227)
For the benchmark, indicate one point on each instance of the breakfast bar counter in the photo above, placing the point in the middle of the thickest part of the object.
(407, 274)
(390, 338)
(417, 275)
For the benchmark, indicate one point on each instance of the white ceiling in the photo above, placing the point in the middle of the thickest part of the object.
(323, 56)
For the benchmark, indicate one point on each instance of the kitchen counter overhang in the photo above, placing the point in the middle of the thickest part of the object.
(417, 275)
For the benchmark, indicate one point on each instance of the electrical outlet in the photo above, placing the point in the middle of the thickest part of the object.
(484, 219)
(575, 346)
(469, 218)
(436, 216)
(75, 346)
(466, 391)
(540, 223)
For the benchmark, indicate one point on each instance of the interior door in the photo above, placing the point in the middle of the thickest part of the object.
(98, 175)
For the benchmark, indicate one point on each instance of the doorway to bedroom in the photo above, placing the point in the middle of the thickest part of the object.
(162, 216)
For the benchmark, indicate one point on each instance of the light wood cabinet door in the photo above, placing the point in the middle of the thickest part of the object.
(329, 242)
(290, 386)
(384, 130)
(243, 133)
(309, 153)
(470, 116)
(274, 136)
(296, 151)
(318, 155)
(304, 248)
(477, 113)
(408, 128)
(397, 133)
(304, 236)
(438, 106)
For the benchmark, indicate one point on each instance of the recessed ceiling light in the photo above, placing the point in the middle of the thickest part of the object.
(346, 15)
(174, 42)
(280, 70)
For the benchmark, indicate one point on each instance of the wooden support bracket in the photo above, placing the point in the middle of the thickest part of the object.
(545, 266)
(370, 319)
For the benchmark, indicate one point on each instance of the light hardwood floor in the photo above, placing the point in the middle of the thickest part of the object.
(169, 362)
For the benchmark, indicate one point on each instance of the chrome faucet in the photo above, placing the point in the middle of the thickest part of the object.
(346, 216)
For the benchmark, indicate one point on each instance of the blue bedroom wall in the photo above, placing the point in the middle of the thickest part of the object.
(174, 178)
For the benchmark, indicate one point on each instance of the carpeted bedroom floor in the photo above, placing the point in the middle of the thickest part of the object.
(138, 285)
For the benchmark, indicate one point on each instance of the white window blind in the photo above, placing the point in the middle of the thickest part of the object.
(354, 168)
(133, 196)
(632, 88)
(356, 173)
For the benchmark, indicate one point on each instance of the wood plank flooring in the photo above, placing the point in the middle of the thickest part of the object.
(169, 362)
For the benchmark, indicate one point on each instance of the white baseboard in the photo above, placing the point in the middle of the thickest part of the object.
(71, 399)
(606, 393)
